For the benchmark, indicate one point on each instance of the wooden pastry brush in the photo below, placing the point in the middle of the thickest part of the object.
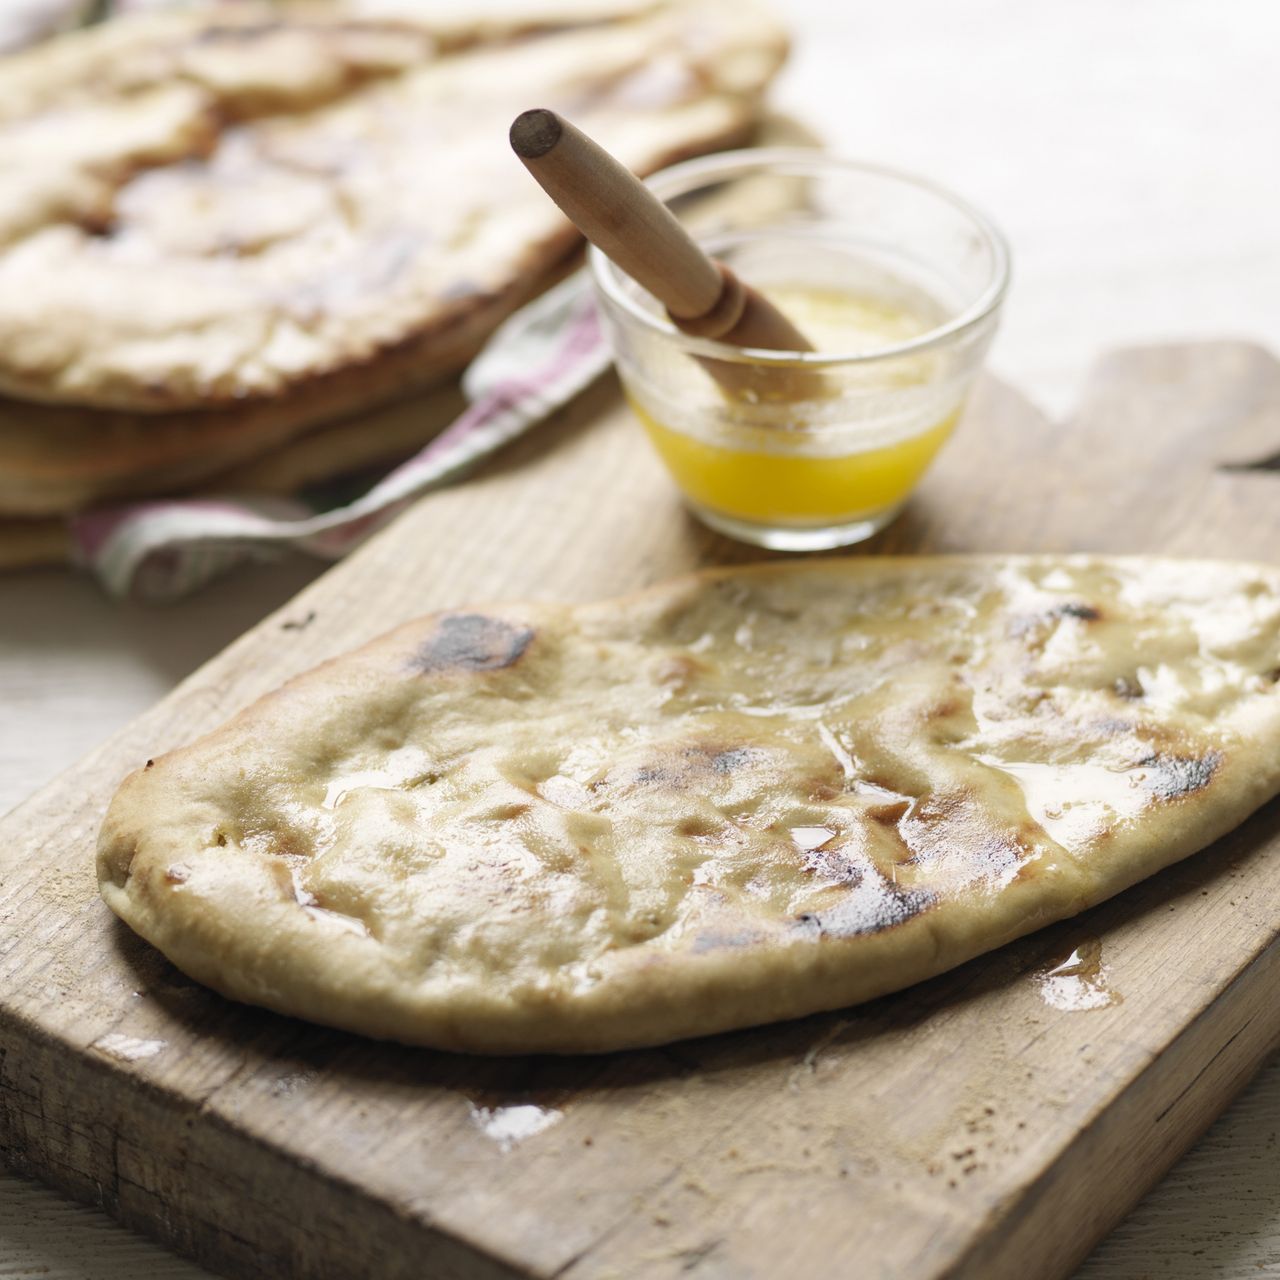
(631, 226)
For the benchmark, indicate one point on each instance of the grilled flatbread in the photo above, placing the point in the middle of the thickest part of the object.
(63, 458)
(57, 458)
(379, 438)
(735, 798)
(220, 206)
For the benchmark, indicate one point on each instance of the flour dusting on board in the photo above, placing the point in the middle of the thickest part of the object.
(510, 1125)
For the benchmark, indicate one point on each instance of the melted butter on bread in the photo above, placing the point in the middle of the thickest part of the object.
(744, 796)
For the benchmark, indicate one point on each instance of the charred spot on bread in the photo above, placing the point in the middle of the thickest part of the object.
(872, 904)
(1128, 687)
(1171, 777)
(652, 773)
(1077, 609)
(1035, 628)
(732, 759)
(472, 642)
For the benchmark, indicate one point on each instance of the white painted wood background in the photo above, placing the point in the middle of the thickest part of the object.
(1129, 148)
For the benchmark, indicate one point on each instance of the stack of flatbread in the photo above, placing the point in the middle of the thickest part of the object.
(223, 228)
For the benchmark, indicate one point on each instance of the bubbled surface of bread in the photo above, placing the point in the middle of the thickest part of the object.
(735, 798)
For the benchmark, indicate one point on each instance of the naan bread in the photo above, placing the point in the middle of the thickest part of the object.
(205, 207)
(61, 459)
(222, 227)
(735, 798)
(377, 440)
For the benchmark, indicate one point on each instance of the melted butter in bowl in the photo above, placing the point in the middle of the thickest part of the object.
(815, 464)
(897, 288)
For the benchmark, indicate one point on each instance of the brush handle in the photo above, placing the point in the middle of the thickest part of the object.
(632, 227)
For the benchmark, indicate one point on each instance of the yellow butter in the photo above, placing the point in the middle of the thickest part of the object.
(775, 485)
(812, 472)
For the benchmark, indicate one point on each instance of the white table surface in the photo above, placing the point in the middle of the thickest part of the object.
(1129, 149)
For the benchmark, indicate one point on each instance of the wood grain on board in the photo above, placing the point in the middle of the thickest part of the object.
(963, 1128)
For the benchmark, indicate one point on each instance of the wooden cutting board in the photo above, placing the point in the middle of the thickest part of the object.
(969, 1127)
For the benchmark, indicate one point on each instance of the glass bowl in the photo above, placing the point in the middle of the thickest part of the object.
(898, 285)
